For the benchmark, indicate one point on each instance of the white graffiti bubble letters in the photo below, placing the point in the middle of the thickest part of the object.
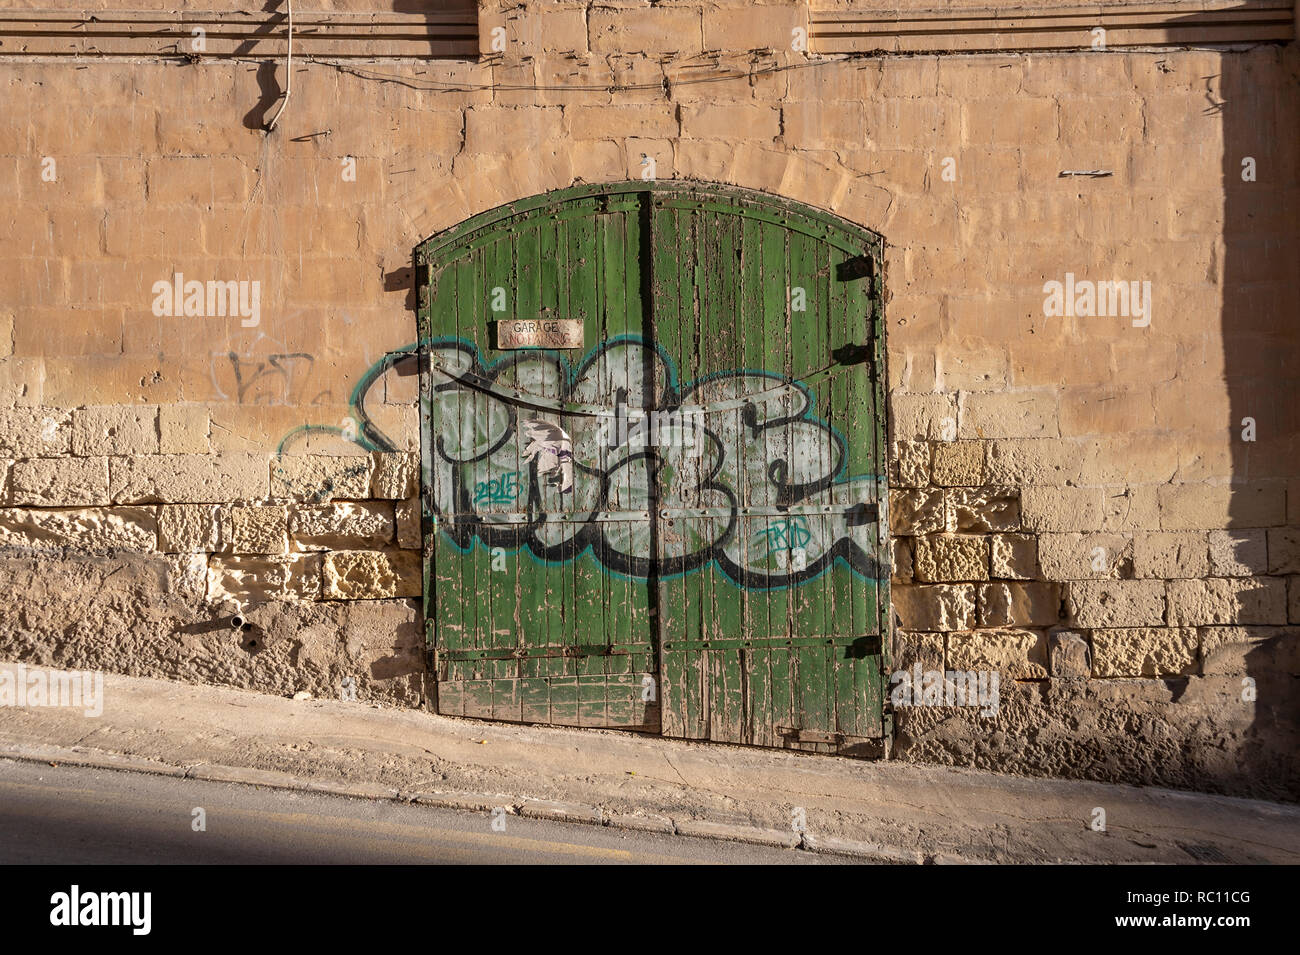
(529, 453)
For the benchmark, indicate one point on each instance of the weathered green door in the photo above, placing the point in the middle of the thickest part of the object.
(674, 525)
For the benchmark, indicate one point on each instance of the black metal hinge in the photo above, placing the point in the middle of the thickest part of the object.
(858, 267)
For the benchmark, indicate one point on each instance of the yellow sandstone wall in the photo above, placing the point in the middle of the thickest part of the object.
(1073, 504)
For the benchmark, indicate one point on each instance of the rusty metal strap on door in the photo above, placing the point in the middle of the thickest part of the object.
(861, 512)
(536, 402)
(543, 653)
(491, 518)
(864, 645)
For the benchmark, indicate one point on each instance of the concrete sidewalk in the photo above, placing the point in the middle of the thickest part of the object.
(888, 812)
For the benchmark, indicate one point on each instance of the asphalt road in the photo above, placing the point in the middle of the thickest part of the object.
(76, 816)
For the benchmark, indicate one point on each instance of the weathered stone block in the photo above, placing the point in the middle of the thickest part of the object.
(1170, 555)
(1061, 508)
(901, 568)
(1013, 654)
(370, 575)
(1013, 556)
(60, 482)
(730, 121)
(1039, 461)
(184, 429)
(1070, 655)
(911, 460)
(959, 463)
(1130, 508)
(494, 129)
(951, 558)
(1214, 506)
(911, 648)
(396, 476)
(318, 478)
(1284, 550)
(1230, 600)
(981, 510)
(88, 530)
(1019, 605)
(645, 120)
(343, 525)
(1083, 556)
(247, 579)
(188, 478)
(922, 417)
(1030, 414)
(652, 30)
(1260, 652)
(916, 512)
(932, 607)
(34, 432)
(115, 429)
(258, 530)
(1116, 603)
(1238, 553)
(187, 576)
(768, 27)
(306, 573)
(407, 515)
(188, 528)
(1145, 652)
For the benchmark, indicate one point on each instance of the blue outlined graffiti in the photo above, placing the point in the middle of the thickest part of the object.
(498, 490)
(785, 534)
(759, 488)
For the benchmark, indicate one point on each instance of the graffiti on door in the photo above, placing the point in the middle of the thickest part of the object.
(531, 453)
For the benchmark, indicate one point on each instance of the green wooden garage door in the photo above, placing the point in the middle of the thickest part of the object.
(674, 525)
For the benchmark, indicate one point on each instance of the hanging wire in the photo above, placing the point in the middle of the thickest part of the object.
(288, 74)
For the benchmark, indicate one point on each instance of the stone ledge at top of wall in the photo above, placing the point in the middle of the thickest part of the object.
(830, 28)
(62, 28)
(918, 26)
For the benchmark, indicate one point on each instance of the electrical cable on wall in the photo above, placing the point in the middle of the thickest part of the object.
(288, 75)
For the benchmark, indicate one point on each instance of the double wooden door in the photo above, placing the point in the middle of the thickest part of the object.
(660, 508)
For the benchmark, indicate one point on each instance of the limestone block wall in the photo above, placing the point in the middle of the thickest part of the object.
(1103, 508)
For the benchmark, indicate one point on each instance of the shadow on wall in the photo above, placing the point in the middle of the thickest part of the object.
(432, 8)
(268, 70)
(269, 87)
(1261, 369)
(1231, 724)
